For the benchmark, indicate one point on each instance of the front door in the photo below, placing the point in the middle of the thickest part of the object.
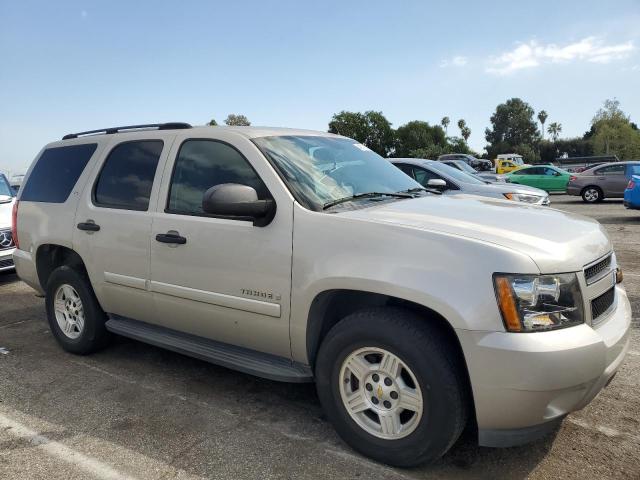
(113, 224)
(229, 280)
(612, 179)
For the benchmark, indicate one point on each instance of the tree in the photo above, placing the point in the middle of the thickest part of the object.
(416, 135)
(512, 125)
(461, 124)
(466, 133)
(213, 123)
(237, 120)
(554, 130)
(613, 133)
(542, 117)
(370, 128)
(445, 123)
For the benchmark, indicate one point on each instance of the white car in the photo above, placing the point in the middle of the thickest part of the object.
(304, 256)
(6, 239)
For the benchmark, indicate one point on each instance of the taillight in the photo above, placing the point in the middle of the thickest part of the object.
(573, 178)
(631, 185)
(14, 224)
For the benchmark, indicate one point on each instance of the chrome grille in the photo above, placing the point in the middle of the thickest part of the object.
(597, 270)
(6, 240)
(601, 304)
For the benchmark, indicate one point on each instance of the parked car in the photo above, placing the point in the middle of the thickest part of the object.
(6, 240)
(15, 182)
(304, 256)
(550, 179)
(464, 167)
(508, 162)
(479, 164)
(582, 169)
(452, 181)
(632, 193)
(605, 181)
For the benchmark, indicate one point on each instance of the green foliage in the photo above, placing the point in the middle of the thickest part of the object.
(237, 120)
(445, 123)
(213, 123)
(542, 118)
(370, 128)
(612, 132)
(465, 132)
(528, 152)
(418, 135)
(512, 126)
(572, 147)
(554, 130)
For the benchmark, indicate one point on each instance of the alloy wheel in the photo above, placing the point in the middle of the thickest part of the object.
(69, 311)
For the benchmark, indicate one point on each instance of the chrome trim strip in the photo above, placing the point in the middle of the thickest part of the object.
(220, 299)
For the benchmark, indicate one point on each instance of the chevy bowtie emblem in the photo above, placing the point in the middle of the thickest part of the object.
(379, 391)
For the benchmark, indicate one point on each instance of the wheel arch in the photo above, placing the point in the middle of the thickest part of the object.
(51, 256)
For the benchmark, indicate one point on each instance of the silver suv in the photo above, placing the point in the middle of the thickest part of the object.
(303, 256)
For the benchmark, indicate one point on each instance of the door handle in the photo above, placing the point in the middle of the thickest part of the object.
(171, 237)
(88, 226)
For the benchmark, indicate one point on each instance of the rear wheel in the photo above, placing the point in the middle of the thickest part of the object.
(74, 314)
(392, 386)
(592, 194)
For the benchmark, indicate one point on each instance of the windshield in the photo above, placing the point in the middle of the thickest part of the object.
(466, 167)
(320, 170)
(456, 174)
(5, 189)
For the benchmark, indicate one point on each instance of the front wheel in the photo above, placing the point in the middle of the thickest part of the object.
(392, 386)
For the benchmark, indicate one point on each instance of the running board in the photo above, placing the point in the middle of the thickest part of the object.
(237, 358)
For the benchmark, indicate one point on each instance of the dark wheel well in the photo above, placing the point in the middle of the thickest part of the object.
(592, 186)
(50, 256)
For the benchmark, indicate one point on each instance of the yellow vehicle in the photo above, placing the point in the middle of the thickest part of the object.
(508, 162)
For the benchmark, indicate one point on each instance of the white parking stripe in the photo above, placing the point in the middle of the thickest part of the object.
(90, 465)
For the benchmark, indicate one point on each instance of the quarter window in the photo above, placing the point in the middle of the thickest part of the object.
(202, 164)
(56, 173)
(127, 175)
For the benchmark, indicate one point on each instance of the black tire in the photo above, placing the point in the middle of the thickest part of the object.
(592, 194)
(431, 357)
(94, 335)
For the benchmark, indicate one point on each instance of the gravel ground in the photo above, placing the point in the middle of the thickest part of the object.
(135, 411)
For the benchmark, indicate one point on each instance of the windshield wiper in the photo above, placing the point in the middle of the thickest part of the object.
(421, 189)
(366, 195)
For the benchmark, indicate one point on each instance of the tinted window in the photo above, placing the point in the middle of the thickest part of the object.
(550, 171)
(531, 171)
(633, 169)
(56, 172)
(611, 170)
(5, 189)
(406, 169)
(127, 175)
(423, 176)
(202, 164)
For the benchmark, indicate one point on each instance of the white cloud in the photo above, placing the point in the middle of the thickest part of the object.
(534, 54)
(457, 61)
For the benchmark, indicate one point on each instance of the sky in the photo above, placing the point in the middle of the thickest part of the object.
(69, 66)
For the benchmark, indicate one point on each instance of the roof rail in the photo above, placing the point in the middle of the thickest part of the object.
(148, 126)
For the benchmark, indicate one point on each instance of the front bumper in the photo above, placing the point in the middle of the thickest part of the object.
(524, 383)
(6, 259)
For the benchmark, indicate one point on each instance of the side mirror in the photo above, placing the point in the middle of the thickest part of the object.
(238, 201)
(437, 183)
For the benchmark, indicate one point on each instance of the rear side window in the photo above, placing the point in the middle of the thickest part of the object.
(126, 178)
(202, 164)
(56, 173)
(634, 169)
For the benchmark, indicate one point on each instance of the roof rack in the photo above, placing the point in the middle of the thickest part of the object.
(148, 126)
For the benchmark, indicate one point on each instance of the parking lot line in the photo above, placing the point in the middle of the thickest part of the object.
(55, 449)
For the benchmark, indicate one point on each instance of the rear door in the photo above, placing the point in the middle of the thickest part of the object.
(113, 224)
(230, 280)
(612, 180)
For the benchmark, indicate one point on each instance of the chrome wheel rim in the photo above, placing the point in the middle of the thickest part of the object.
(380, 393)
(69, 311)
(591, 195)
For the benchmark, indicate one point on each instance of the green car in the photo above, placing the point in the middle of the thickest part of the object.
(551, 179)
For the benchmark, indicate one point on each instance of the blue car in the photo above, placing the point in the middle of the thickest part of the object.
(632, 193)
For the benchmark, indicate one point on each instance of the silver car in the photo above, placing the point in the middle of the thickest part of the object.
(603, 181)
(465, 167)
(434, 174)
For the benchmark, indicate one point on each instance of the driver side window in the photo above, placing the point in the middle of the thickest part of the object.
(202, 164)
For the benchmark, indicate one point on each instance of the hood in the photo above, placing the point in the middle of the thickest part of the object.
(556, 241)
(5, 214)
(510, 188)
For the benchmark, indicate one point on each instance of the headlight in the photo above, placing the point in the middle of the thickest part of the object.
(531, 303)
(523, 197)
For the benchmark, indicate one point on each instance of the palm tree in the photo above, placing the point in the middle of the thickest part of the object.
(466, 133)
(542, 117)
(461, 124)
(554, 130)
(445, 123)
